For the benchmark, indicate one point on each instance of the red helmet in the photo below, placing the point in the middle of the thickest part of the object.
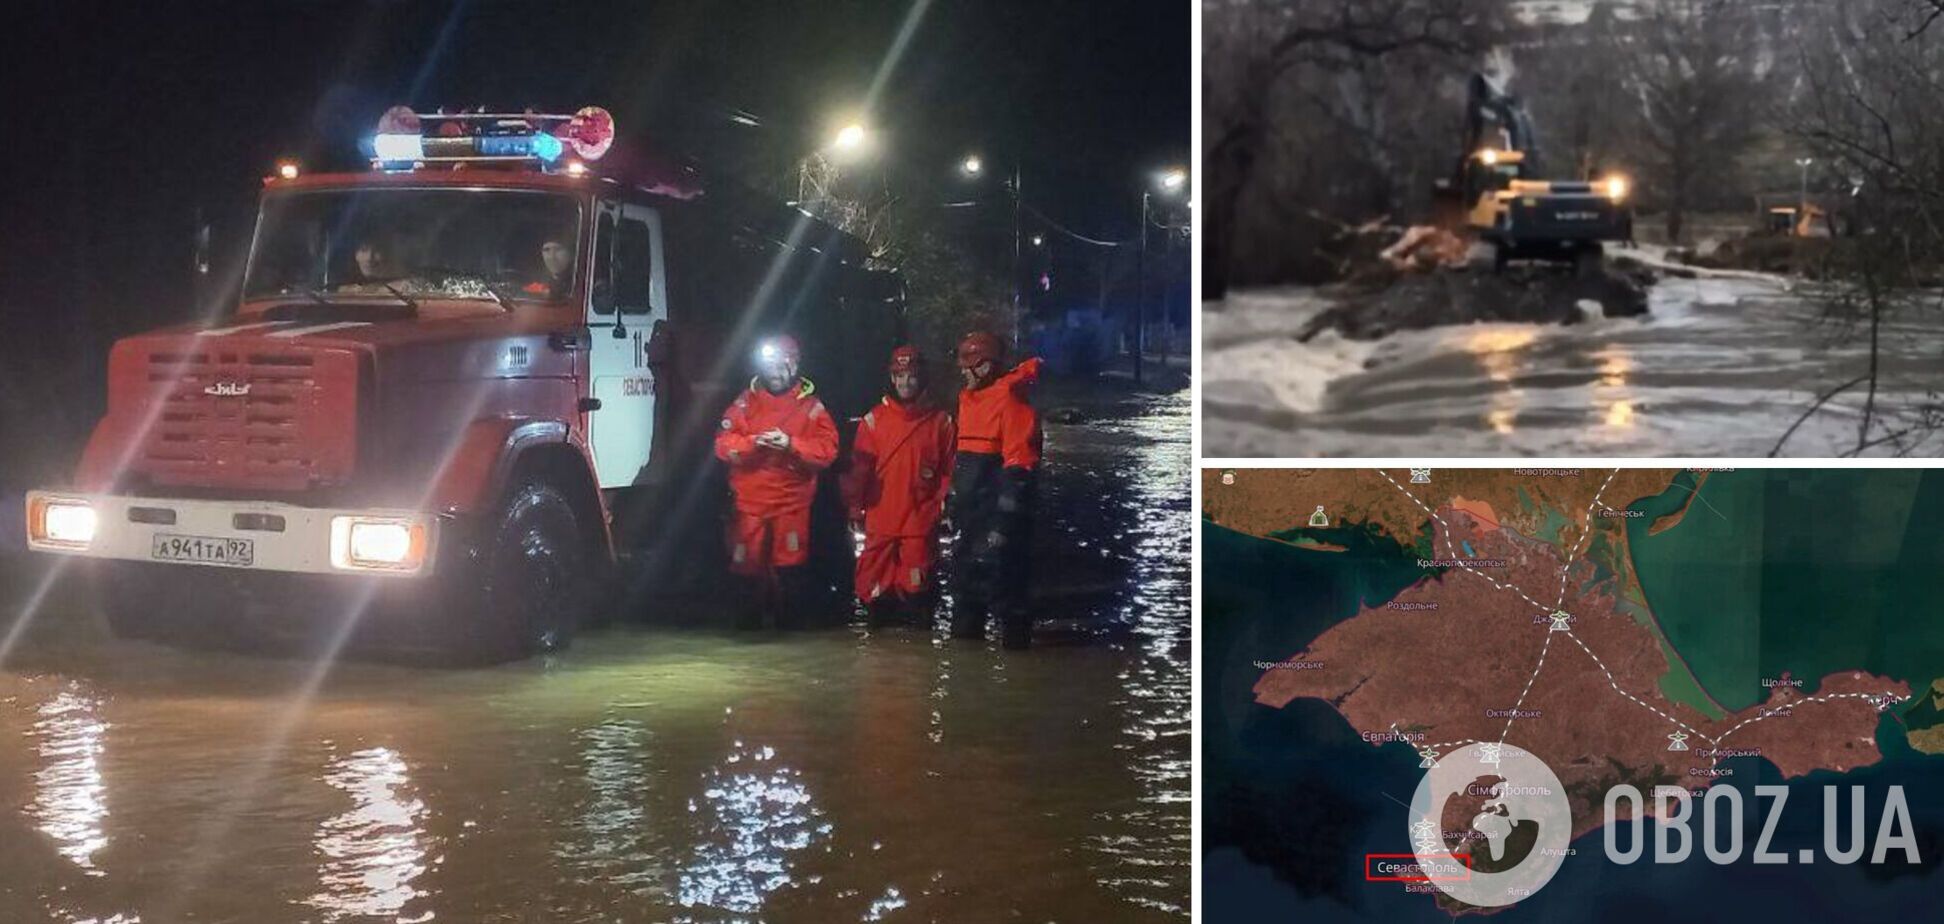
(977, 347)
(780, 348)
(906, 359)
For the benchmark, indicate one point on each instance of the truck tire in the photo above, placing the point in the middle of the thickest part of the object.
(532, 583)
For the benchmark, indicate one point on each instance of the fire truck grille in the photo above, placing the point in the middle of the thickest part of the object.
(280, 420)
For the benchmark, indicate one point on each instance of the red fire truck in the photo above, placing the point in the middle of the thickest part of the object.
(456, 390)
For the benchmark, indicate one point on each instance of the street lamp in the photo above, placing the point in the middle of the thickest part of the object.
(1168, 182)
(849, 139)
(973, 167)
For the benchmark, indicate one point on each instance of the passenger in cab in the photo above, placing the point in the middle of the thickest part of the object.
(556, 268)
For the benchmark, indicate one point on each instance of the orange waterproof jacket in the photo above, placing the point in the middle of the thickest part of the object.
(900, 469)
(998, 419)
(765, 481)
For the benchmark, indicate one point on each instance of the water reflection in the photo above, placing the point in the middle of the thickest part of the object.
(1615, 366)
(880, 908)
(70, 803)
(753, 814)
(374, 851)
(615, 847)
(1498, 352)
(912, 777)
(1150, 843)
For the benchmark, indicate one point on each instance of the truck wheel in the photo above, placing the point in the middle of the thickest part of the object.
(535, 578)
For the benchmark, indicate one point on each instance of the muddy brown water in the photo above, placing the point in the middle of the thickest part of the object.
(648, 774)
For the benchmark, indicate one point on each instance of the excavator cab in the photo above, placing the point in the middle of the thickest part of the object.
(1503, 204)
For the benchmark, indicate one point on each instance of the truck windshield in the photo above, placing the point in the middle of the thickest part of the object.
(439, 243)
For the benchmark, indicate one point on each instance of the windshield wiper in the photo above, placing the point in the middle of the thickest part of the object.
(402, 297)
(324, 298)
(482, 279)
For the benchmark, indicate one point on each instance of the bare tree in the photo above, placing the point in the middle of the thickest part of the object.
(1690, 66)
(1329, 58)
(1871, 107)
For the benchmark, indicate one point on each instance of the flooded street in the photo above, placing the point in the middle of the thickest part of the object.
(1720, 365)
(647, 774)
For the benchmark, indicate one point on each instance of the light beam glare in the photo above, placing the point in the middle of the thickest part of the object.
(218, 823)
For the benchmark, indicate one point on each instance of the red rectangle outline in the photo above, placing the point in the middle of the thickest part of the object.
(1372, 856)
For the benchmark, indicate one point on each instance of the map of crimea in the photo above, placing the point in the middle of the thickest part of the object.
(1521, 615)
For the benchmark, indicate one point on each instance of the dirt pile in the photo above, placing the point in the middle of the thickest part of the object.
(1381, 303)
(1424, 248)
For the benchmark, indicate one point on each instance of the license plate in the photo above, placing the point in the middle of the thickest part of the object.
(204, 550)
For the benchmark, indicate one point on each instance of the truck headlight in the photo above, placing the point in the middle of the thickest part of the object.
(1616, 188)
(376, 544)
(61, 522)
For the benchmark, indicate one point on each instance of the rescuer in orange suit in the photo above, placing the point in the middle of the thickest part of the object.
(895, 489)
(994, 484)
(775, 438)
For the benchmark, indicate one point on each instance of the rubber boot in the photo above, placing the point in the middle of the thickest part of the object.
(969, 620)
(750, 602)
(797, 598)
(921, 610)
(1017, 631)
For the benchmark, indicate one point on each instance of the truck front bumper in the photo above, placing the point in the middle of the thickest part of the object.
(245, 535)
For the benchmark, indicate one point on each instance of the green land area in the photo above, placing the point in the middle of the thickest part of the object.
(1801, 571)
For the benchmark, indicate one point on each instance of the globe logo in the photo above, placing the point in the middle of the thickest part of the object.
(1500, 807)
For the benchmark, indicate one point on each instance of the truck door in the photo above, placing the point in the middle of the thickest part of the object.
(630, 297)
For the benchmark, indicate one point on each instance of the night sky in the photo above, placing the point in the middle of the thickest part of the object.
(125, 119)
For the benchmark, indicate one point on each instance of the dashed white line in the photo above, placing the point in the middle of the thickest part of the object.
(1586, 534)
(1616, 686)
(1452, 550)
(1572, 553)
(1528, 687)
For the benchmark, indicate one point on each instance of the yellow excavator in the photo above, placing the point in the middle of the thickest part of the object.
(1523, 218)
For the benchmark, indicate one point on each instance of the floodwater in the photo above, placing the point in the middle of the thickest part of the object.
(648, 774)
(1721, 366)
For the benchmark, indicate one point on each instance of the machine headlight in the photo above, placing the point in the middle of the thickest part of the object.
(66, 523)
(376, 544)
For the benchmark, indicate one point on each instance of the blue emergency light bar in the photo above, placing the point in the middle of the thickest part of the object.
(406, 139)
(400, 149)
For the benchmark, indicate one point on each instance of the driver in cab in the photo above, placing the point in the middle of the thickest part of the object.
(376, 261)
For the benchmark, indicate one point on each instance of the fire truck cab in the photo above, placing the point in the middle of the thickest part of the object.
(456, 390)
